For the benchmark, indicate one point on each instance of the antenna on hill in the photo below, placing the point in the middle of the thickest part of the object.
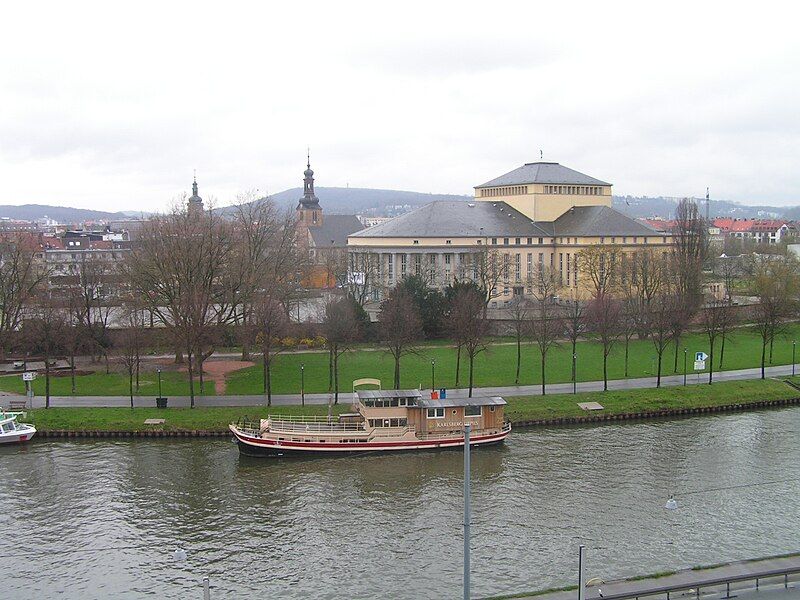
(708, 202)
(541, 154)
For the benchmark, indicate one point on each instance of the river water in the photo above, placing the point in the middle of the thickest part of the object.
(100, 518)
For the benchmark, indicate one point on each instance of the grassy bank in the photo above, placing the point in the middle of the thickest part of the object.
(519, 409)
(173, 383)
(176, 419)
(556, 406)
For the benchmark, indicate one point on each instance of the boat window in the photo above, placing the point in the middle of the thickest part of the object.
(491, 409)
(472, 411)
(436, 413)
(402, 401)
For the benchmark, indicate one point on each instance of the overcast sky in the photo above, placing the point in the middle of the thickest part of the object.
(113, 105)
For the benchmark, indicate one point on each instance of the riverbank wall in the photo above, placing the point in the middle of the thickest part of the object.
(589, 419)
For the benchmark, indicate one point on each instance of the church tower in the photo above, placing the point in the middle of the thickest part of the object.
(195, 202)
(308, 209)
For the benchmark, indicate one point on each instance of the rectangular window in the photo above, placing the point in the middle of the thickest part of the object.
(505, 241)
(518, 267)
(494, 241)
(416, 242)
(530, 241)
(517, 241)
(472, 411)
(448, 242)
(541, 241)
(436, 413)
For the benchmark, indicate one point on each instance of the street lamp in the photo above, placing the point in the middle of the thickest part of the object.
(433, 374)
(794, 347)
(303, 384)
(159, 383)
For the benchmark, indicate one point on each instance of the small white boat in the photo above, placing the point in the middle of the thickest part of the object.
(13, 432)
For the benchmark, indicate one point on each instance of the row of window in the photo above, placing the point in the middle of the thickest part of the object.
(575, 190)
(529, 241)
(469, 411)
(386, 402)
(388, 422)
(509, 190)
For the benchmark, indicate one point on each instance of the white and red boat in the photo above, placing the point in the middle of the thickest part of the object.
(13, 432)
(381, 421)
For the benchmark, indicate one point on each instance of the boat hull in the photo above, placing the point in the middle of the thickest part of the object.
(17, 437)
(252, 446)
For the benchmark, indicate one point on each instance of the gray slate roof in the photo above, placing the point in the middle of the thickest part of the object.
(465, 219)
(598, 221)
(448, 402)
(458, 219)
(335, 228)
(542, 172)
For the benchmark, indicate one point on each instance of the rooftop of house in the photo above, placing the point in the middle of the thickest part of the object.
(542, 172)
(334, 230)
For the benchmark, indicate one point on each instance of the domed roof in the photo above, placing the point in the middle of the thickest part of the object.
(308, 172)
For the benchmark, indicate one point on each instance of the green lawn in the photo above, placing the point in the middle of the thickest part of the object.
(494, 367)
(555, 406)
(177, 419)
(114, 384)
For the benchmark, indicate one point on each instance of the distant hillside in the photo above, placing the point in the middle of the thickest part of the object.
(348, 201)
(62, 214)
(643, 206)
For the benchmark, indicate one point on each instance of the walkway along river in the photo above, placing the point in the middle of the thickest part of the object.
(102, 517)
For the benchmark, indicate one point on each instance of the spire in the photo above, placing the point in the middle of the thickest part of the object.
(309, 199)
(195, 202)
(308, 157)
(194, 184)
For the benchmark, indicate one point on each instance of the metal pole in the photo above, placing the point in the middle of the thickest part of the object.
(206, 590)
(466, 510)
(159, 383)
(433, 375)
(581, 574)
(684, 366)
(303, 384)
(574, 373)
(794, 346)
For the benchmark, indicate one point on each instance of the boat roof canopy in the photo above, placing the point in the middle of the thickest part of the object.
(448, 402)
(388, 394)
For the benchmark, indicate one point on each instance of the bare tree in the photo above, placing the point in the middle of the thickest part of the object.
(716, 318)
(131, 345)
(689, 251)
(599, 264)
(43, 334)
(603, 315)
(341, 329)
(400, 327)
(575, 326)
(659, 317)
(519, 323)
(776, 285)
(268, 323)
(21, 274)
(545, 323)
(363, 275)
(467, 321)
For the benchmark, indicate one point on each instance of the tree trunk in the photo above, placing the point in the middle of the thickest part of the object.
(46, 381)
(397, 372)
(711, 361)
(763, 356)
(544, 357)
(199, 359)
(138, 364)
(130, 383)
(627, 343)
(471, 359)
(677, 343)
(658, 372)
(458, 362)
(336, 378)
(72, 370)
(105, 356)
(269, 380)
(519, 358)
(191, 378)
(722, 351)
(605, 371)
(771, 343)
(330, 368)
(178, 356)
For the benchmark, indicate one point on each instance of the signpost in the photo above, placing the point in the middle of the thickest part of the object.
(700, 361)
(28, 377)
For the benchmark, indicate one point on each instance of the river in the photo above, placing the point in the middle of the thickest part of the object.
(101, 518)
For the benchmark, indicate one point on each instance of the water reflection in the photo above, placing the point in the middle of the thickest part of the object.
(102, 517)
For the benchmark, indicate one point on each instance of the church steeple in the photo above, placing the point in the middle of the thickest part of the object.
(195, 201)
(308, 208)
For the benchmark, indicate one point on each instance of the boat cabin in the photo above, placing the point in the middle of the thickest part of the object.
(427, 416)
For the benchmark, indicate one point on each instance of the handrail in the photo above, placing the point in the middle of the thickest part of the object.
(697, 584)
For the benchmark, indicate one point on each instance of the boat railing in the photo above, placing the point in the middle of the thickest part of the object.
(392, 431)
(313, 427)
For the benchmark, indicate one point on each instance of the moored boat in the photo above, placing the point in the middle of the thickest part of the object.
(13, 432)
(381, 421)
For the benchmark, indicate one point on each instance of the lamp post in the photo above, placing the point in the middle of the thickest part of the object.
(433, 374)
(303, 384)
(684, 366)
(794, 347)
(467, 514)
(159, 383)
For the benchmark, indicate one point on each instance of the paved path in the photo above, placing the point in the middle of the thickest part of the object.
(519, 390)
(690, 578)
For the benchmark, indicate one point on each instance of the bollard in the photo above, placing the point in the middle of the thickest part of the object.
(206, 590)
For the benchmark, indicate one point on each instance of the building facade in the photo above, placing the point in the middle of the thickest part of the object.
(537, 217)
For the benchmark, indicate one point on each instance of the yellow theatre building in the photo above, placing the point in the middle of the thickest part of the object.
(541, 214)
